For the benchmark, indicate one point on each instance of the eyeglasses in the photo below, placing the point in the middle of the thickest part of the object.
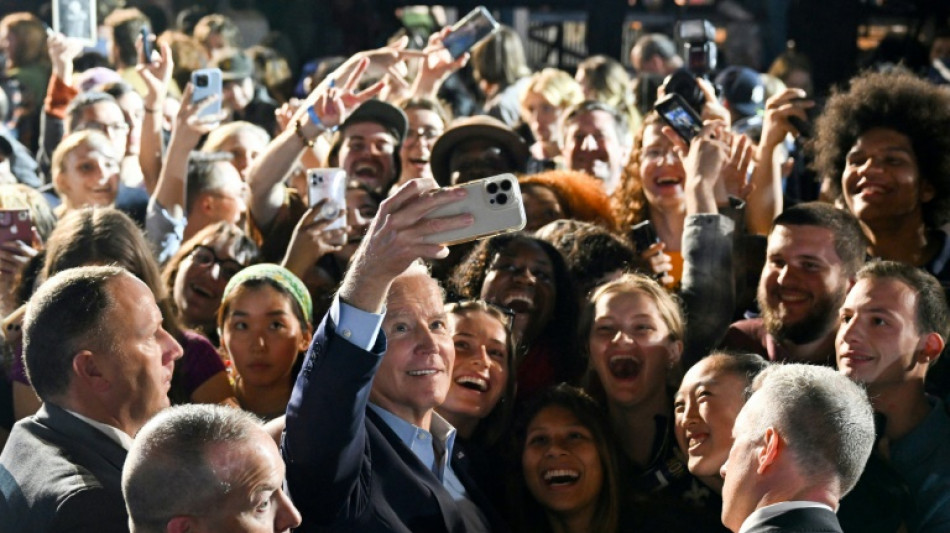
(423, 133)
(205, 256)
(108, 129)
(457, 304)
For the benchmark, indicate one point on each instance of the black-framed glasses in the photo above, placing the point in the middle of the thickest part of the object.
(206, 257)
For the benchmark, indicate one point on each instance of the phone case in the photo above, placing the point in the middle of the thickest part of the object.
(469, 31)
(496, 204)
(644, 235)
(674, 110)
(146, 44)
(328, 183)
(206, 82)
(15, 225)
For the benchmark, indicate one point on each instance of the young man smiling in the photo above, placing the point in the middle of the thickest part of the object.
(892, 328)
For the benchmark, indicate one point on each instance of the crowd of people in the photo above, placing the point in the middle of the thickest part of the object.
(739, 331)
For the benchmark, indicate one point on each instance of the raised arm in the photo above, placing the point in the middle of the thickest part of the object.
(765, 199)
(156, 72)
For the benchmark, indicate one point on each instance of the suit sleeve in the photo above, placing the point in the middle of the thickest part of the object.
(91, 510)
(325, 443)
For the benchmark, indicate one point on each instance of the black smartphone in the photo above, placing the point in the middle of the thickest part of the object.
(804, 127)
(644, 235)
(146, 44)
(674, 110)
(472, 29)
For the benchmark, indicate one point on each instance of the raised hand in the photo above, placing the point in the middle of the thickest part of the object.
(312, 240)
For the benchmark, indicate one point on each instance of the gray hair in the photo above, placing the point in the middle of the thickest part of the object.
(167, 473)
(825, 418)
(65, 315)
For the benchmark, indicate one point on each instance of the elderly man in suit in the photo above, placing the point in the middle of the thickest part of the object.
(801, 442)
(98, 357)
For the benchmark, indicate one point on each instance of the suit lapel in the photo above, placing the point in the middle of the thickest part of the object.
(79, 432)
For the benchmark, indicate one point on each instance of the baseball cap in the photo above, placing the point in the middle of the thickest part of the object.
(743, 90)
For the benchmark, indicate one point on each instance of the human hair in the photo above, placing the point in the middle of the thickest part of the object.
(202, 176)
(428, 104)
(849, 240)
(589, 106)
(556, 86)
(581, 196)
(743, 364)
(590, 250)
(67, 314)
(931, 314)
(187, 54)
(591, 415)
(608, 82)
(653, 45)
(494, 427)
(78, 105)
(899, 101)
(216, 24)
(469, 276)
(788, 62)
(30, 36)
(629, 201)
(824, 418)
(21, 196)
(126, 23)
(168, 471)
(244, 249)
(220, 135)
(500, 59)
(272, 71)
(117, 89)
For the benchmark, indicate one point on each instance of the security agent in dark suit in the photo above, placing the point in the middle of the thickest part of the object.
(98, 357)
(364, 448)
(801, 442)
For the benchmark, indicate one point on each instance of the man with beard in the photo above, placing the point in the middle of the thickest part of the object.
(813, 253)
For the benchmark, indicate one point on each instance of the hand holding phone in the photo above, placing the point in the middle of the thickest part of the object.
(495, 203)
(328, 184)
(676, 113)
(471, 30)
(206, 82)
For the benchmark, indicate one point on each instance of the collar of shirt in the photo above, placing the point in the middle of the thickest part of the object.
(762, 514)
(432, 448)
(114, 433)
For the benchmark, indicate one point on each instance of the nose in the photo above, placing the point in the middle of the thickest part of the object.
(589, 144)
(481, 357)
(287, 516)
(849, 331)
(215, 271)
(525, 275)
(784, 274)
(425, 340)
(621, 337)
(171, 349)
(690, 410)
(722, 469)
(555, 448)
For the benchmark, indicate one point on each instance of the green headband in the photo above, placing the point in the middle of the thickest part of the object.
(279, 275)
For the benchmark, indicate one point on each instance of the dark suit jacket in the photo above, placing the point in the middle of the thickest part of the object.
(58, 473)
(807, 520)
(346, 469)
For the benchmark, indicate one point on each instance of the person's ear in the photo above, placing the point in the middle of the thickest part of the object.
(768, 452)
(929, 348)
(927, 191)
(305, 335)
(87, 369)
(676, 351)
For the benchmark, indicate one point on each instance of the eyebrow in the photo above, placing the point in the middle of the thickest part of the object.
(276, 312)
(901, 149)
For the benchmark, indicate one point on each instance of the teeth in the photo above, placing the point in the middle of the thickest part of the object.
(523, 298)
(618, 358)
(365, 167)
(695, 440)
(666, 181)
(416, 373)
(793, 297)
(872, 189)
(561, 476)
(473, 382)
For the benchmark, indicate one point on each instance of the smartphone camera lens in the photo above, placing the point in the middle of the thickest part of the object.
(492, 188)
(506, 185)
(201, 80)
(502, 199)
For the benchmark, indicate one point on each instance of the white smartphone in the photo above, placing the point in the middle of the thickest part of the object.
(496, 204)
(206, 82)
(328, 183)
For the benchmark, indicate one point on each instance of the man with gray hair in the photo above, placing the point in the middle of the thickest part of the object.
(206, 468)
(98, 356)
(655, 53)
(801, 443)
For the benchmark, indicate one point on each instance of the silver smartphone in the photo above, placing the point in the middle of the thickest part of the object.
(206, 82)
(496, 204)
(471, 30)
(328, 184)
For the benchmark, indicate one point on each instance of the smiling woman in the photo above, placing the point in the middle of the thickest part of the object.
(569, 465)
(85, 169)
